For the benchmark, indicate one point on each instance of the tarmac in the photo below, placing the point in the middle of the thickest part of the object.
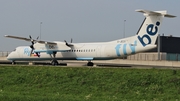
(110, 63)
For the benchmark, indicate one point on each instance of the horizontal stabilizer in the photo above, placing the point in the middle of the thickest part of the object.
(164, 13)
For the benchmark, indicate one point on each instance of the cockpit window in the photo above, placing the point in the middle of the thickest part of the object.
(14, 50)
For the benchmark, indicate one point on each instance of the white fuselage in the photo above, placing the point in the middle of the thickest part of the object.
(80, 51)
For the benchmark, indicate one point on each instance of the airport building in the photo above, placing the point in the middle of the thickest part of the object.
(169, 50)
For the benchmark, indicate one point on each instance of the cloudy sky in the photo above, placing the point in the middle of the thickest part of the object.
(82, 20)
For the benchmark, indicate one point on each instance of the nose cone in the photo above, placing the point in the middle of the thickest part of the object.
(10, 56)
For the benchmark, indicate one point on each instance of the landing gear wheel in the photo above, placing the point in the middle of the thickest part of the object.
(13, 62)
(54, 62)
(90, 64)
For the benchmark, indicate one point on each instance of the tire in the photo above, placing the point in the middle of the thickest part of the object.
(90, 64)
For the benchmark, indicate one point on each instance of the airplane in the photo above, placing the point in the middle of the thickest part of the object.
(144, 40)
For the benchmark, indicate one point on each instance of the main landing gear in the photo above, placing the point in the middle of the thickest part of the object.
(90, 63)
(54, 60)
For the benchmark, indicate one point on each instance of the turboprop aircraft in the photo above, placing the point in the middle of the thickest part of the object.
(44, 50)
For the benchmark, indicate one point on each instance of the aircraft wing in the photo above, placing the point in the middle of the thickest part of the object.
(16, 37)
(28, 39)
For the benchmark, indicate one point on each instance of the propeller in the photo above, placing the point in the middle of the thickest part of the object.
(32, 45)
(67, 44)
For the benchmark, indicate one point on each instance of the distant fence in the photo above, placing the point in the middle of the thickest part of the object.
(154, 56)
(4, 54)
(147, 56)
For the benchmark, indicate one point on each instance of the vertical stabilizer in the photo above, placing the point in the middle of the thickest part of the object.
(149, 29)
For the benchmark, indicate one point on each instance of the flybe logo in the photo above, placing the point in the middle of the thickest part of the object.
(151, 31)
(124, 48)
(27, 51)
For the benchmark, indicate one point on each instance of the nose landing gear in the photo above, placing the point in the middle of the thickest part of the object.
(13, 62)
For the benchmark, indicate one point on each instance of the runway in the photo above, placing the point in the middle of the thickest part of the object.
(105, 63)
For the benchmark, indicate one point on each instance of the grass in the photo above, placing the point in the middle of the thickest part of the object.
(37, 83)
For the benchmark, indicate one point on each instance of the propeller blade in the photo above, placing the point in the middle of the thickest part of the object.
(31, 46)
(30, 37)
(37, 54)
(37, 38)
(31, 51)
(32, 42)
(66, 42)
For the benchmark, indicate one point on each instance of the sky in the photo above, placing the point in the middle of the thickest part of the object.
(81, 20)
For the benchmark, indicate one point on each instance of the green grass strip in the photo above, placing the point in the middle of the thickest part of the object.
(47, 83)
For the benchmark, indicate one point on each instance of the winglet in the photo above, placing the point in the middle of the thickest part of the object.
(164, 13)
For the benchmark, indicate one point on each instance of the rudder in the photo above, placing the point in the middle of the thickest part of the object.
(149, 29)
